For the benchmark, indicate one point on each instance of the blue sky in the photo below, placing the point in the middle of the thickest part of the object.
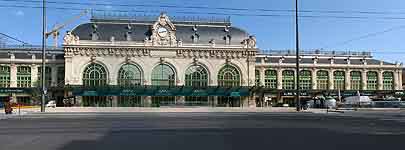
(277, 32)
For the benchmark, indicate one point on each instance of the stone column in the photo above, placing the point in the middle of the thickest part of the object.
(54, 73)
(331, 83)
(262, 74)
(380, 79)
(400, 79)
(115, 101)
(396, 80)
(34, 76)
(364, 79)
(13, 75)
(313, 78)
(180, 100)
(348, 80)
(279, 79)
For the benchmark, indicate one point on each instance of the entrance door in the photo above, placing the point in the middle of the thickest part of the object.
(129, 101)
(158, 101)
(196, 101)
(96, 101)
(227, 101)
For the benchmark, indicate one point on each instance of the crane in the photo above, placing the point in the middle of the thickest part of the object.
(55, 31)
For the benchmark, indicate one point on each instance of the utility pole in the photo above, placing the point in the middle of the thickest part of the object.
(297, 80)
(43, 56)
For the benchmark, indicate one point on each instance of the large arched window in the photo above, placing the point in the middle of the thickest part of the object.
(388, 81)
(305, 80)
(196, 76)
(372, 80)
(94, 75)
(270, 79)
(4, 76)
(288, 80)
(23, 76)
(257, 78)
(339, 80)
(129, 75)
(163, 74)
(355, 80)
(322, 80)
(228, 76)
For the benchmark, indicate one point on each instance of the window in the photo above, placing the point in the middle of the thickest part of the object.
(339, 80)
(372, 80)
(94, 75)
(322, 78)
(48, 76)
(257, 78)
(270, 79)
(228, 76)
(355, 80)
(288, 80)
(129, 75)
(61, 76)
(163, 75)
(23, 76)
(305, 80)
(388, 81)
(4, 76)
(196, 76)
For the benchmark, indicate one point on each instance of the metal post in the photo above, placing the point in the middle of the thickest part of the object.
(298, 102)
(43, 56)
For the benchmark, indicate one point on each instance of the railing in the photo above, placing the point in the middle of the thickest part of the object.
(316, 52)
(135, 16)
(29, 47)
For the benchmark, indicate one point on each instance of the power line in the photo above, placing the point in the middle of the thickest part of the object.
(212, 13)
(210, 8)
(13, 38)
(367, 36)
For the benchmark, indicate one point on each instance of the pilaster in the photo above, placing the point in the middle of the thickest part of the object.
(313, 78)
(54, 74)
(34, 76)
(348, 79)
(380, 79)
(396, 80)
(331, 77)
(279, 79)
(364, 79)
(13, 75)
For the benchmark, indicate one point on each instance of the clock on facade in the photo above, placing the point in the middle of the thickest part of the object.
(162, 32)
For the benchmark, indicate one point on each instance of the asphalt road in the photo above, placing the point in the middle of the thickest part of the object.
(205, 131)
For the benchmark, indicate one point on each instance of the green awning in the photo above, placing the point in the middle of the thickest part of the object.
(160, 91)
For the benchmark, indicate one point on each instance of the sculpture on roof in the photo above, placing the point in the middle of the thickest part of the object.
(70, 39)
(249, 42)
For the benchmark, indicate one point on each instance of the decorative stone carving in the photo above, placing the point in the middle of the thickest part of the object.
(70, 39)
(212, 42)
(249, 42)
(180, 43)
(163, 32)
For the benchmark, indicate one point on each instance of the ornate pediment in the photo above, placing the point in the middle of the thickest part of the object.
(163, 32)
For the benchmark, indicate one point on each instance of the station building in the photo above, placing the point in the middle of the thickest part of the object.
(162, 61)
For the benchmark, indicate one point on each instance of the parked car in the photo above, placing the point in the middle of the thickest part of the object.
(51, 104)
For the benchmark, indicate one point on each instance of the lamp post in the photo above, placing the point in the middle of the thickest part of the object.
(43, 56)
(297, 82)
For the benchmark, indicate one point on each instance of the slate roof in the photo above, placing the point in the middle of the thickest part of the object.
(139, 31)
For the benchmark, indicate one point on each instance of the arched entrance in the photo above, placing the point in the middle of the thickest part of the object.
(95, 75)
(129, 76)
(196, 76)
(163, 75)
(229, 76)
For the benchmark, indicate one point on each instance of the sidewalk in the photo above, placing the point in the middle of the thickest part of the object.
(160, 109)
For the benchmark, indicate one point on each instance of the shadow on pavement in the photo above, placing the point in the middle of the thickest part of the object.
(235, 139)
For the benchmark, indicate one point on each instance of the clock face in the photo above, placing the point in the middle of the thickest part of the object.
(162, 32)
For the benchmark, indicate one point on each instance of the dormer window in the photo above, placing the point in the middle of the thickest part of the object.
(195, 38)
(128, 34)
(227, 39)
(94, 36)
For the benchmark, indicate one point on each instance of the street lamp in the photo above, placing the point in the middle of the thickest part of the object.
(43, 56)
(297, 83)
